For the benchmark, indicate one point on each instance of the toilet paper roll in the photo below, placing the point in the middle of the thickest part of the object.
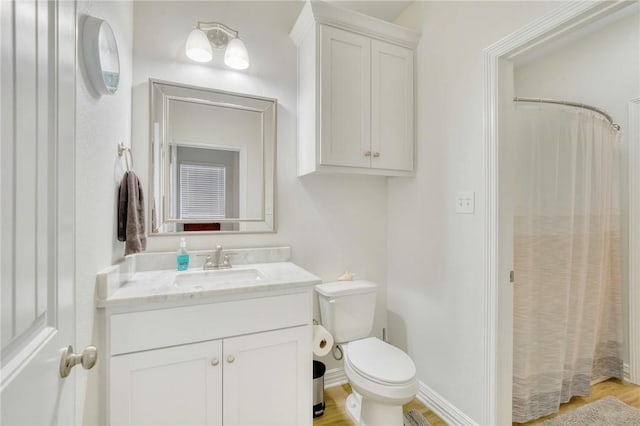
(322, 340)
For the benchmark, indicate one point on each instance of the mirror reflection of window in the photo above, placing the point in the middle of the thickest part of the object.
(202, 191)
(206, 187)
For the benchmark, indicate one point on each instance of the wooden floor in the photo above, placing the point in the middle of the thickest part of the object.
(335, 414)
(335, 397)
(625, 392)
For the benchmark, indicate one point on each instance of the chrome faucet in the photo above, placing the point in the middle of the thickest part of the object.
(217, 260)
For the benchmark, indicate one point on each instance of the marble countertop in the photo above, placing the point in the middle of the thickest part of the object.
(158, 286)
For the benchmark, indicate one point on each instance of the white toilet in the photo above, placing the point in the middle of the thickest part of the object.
(382, 377)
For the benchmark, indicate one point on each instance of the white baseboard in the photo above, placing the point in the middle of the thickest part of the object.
(335, 377)
(443, 408)
(625, 372)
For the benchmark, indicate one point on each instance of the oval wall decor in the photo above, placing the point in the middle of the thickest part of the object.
(100, 52)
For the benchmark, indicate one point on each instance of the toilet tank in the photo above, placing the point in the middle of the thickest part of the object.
(347, 308)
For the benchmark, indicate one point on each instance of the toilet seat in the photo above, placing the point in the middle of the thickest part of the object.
(380, 362)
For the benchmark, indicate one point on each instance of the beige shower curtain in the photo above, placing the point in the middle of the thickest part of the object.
(567, 301)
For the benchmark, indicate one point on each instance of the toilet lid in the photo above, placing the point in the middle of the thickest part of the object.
(381, 362)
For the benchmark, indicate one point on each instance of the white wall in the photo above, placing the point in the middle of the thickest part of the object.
(435, 257)
(101, 122)
(599, 69)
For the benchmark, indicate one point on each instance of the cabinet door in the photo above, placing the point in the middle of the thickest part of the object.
(392, 113)
(172, 386)
(345, 98)
(268, 378)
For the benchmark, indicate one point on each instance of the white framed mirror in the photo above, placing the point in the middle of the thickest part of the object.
(212, 160)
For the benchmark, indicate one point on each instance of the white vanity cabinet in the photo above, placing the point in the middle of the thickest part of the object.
(355, 93)
(244, 361)
(170, 386)
(263, 378)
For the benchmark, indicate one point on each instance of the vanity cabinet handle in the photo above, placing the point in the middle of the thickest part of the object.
(230, 359)
(376, 154)
(215, 361)
(367, 153)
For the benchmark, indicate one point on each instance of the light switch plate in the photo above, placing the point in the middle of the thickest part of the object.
(465, 202)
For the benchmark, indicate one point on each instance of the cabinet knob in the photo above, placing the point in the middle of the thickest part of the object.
(376, 154)
(230, 359)
(215, 361)
(367, 153)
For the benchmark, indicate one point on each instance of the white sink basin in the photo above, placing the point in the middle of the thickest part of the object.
(218, 278)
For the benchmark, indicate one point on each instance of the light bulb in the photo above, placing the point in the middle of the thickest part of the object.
(236, 55)
(198, 47)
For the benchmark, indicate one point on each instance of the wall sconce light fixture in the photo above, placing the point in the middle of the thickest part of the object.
(207, 34)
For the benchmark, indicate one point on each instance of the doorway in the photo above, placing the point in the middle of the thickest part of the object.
(564, 25)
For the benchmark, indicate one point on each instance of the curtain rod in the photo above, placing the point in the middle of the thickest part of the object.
(569, 103)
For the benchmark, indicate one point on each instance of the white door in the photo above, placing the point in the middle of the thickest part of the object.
(37, 83)
(391, 107)
(267, 378)
(345, 73)
(181, 385)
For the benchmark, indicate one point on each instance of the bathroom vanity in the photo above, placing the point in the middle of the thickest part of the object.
(219, 347)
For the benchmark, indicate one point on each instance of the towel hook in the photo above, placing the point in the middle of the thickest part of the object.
(122, 148)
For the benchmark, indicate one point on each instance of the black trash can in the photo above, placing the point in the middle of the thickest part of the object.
(318, 388)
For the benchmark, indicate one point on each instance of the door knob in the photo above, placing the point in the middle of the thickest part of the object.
(230, 359)
(70, 359)
(215, 361)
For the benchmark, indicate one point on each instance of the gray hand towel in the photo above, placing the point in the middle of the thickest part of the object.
(131, 227)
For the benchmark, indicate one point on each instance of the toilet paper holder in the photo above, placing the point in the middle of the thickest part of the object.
(324, 342)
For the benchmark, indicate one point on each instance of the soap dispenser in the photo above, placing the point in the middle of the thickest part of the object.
(182, 257)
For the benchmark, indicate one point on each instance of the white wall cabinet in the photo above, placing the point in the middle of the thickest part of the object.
(237, 362)
(356, 93)
(392, 107)
(345, 99)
